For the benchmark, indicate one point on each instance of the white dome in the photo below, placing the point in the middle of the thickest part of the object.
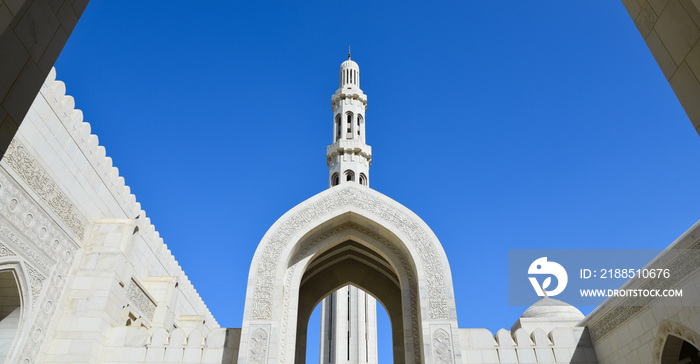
(549, 308)
(349, 74)
(349, 64)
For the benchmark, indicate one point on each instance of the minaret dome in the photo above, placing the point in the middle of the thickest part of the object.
(349, 74)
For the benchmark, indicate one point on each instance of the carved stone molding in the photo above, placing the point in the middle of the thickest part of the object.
(29, 169)
(442, 347)
(418, 237)
(681, 267)
(5, 251)
(36, 280)
(140, 299)
(26, 249)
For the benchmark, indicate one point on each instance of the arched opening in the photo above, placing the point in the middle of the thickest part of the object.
(363, 179)
(10, 311)
(382, 241)
(349, 176)
(373, 327)
(679, 351)
(359, 124)
(349, 263)
(348, 131)
(338, 129)
(335, 179)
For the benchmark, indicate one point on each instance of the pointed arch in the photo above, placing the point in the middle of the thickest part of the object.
(335, 219)
(17, 298)
(349, 175)
(349, 116)
(360, 124)
(335, 179)
(338, 127)
(674, 340)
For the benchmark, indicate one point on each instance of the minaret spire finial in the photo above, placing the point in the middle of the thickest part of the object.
(348, 52)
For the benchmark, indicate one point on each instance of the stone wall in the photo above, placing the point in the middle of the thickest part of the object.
(561, 345)
(671, 29)
(87, 258)
(626, 330)
(138, 345)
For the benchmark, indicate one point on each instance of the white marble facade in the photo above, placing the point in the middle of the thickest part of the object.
(95, 283)
(85, 277)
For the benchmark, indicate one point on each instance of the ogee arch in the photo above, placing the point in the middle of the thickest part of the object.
(349, 212)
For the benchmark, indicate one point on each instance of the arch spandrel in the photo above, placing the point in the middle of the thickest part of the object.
(272, 281)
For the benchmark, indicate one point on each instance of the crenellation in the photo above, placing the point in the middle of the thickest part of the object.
(66, 107)
(57, 91)
(503, 339)
(124, 196)
(76, 118)
(99, 153)
(479, 346)
(164, 346)
(522, 339)
(84, 131)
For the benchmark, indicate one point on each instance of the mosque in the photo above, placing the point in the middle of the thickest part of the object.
(86, 278)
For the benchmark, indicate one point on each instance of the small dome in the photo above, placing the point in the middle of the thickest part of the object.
(349, 74)
(548, 308)
(349, 64)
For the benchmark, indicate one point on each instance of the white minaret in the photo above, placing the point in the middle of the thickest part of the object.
(349, 315)
(349, 158)
(348, 327)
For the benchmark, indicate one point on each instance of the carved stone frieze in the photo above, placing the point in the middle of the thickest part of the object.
(419, 238)
(680, 267)
(40, 182)
(140, 299)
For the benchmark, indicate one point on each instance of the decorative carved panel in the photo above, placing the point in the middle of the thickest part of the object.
(140, 299)
(442, 347)
(33, 236)
(258, 346)
(29, 169)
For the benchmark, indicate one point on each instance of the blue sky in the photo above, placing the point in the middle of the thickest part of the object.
(504, 125)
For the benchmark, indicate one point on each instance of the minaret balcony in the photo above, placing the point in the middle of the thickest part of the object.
(349, 146)
(352, 93)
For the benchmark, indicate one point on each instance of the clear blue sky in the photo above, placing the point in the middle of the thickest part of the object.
(528, 124)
